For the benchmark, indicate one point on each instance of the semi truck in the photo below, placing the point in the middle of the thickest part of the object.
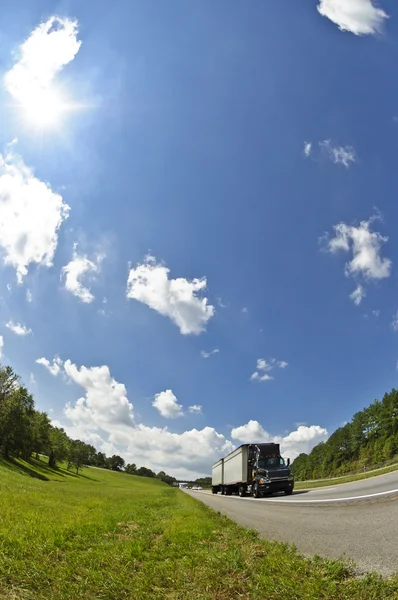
(255, 469)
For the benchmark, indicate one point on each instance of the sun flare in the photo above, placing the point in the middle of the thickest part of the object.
(44, 109)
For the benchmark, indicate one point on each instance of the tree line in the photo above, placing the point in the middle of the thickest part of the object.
(25, 431)
(369, 439)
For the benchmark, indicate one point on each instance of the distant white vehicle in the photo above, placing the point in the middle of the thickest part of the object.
(199, 488)
(195, 488)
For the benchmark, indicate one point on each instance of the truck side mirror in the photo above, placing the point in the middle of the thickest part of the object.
(288, 462)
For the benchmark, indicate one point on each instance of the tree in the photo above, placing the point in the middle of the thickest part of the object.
(131, 468)
(115, 462)
(16, 409)
(166, 478)
(58, 446)
(78, 454)
(100, 460)
(145, 472)
(41, 428)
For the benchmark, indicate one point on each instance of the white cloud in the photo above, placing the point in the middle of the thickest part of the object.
(195, 409)
(18, 329)
(376, 312)
(80, 267)
(338, 154)
(9, 287)
(50, 47)
(358, 295)
(360, 17)
(105, 402)
(166, 403)
(31, 215)
(307, 148)
(1, 346)
(260, 377)
(177, 299)
(32, 379)
(303, 439)
(263, 368)
(221, 304)
(245, 310)
(54, 368)
(29, 296)
(394, 322)
(207, 354)
(365, 246)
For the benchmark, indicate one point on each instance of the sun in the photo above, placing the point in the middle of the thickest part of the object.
(44, 108)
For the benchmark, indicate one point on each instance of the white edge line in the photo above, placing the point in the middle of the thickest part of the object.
(278, 500)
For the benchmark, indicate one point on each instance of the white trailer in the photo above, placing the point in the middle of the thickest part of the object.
(235, 466)
(217, 475)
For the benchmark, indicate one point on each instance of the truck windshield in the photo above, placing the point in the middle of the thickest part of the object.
(267, 462)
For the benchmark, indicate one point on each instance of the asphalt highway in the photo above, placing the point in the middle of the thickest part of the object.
(357, 520)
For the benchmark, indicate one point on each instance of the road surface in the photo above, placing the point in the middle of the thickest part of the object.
(357, 520)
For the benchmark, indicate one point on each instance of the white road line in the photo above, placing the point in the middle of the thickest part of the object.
(309, 501)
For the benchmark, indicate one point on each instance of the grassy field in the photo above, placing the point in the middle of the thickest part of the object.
(113, 536)
(306, 485)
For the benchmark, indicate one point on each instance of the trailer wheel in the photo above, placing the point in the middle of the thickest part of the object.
(242, 491)
(213, 490)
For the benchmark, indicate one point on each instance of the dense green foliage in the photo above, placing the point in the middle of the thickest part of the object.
(109, 535)
(370, 439)
(25, 431)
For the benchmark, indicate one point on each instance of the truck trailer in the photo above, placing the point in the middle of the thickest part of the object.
(256, 469)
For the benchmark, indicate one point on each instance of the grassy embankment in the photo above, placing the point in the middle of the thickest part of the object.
(115, 536)
(306, 485)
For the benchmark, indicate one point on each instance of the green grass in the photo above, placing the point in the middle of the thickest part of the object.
(113, 536)
(305, 485)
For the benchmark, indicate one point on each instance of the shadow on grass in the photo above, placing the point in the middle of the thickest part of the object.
(24, 468)
(38, 469)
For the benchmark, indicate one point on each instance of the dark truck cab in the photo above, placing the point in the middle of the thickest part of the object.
(256, 469)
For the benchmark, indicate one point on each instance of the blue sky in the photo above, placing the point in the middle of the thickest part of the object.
(198, 177)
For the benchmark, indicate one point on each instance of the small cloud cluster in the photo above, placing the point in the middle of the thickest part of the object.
(263, 368)
(18, 329)
(365, 246)
(208, 354)
(195, 409)
(54, 368)
(176, 299)
(78, 269)
(307, 149)
(359, 17)
(339, 155)
(358, 295)
(167, 405)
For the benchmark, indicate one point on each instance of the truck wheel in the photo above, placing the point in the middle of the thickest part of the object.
(256, 491)
(223, 491)
(213, 490)
(288, 492)
(242, 491)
